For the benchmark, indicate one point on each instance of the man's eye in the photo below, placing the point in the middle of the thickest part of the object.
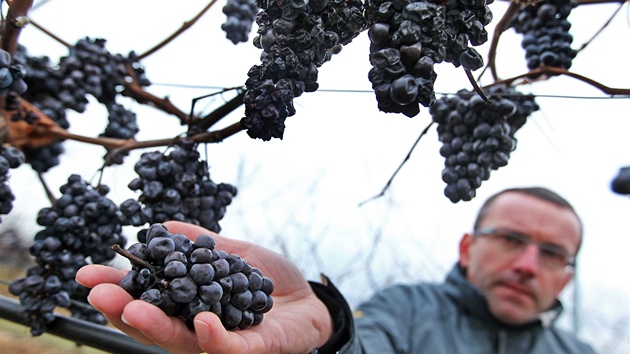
(553, 254)
(511, 240)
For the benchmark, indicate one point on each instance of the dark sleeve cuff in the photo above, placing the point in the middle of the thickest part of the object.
(343, 324)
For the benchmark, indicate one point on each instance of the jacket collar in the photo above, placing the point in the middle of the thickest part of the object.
(472, 301)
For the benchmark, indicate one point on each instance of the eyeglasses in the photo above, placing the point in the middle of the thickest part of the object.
(551, 256)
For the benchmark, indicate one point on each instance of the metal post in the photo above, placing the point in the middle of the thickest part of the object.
(81, 332)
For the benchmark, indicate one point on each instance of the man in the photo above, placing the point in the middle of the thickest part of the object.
(501, 297)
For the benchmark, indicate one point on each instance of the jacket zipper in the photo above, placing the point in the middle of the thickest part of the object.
(502, 343)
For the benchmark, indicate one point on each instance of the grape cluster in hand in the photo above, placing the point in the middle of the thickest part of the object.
(184, 278)
(478, 137)
(240, 17)
(177, 186)
(82, 224)
(546, 37)
(296, 38)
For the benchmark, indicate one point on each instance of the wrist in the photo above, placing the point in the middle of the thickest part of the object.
(341, 322)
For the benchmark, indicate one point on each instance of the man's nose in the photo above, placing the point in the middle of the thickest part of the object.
(527, 262)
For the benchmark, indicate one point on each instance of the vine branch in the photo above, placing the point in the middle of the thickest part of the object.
(208, 121)
(12, 27)
(135, 91)
(391, 179)
(181, 30)
(553, 71)
(501, 27)
(507, 17)
(601, 29)
(50, 34)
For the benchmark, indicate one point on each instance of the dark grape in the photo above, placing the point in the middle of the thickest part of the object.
(175, 192)
(408, 38)
(182, 286)
(54, 87)
(296, 38)
(545, 29)
(240, 18)
(81, 225)
(477, 137)
(10, 158)
(621, 183)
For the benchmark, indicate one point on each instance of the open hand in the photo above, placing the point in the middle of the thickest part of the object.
(297, 322)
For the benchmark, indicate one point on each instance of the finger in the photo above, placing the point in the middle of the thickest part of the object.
(190, 230)
(94, 274)
(168, 332)
(214, 338)
(111, 300)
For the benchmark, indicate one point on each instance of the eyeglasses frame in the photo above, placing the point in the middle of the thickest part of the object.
(488, 231)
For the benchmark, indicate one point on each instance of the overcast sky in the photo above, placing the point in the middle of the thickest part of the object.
(339, 150)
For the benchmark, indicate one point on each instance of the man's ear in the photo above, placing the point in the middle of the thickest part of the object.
(464, 250)
(563, 283)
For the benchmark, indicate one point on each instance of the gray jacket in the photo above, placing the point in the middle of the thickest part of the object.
(449, 318)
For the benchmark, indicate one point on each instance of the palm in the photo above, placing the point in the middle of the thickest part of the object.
(297, 322)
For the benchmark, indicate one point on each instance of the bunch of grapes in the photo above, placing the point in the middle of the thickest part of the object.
(87, 69)
(43, 81)
(546, 37)
(465, 24)
(296, 38)
(478, 137)
(407, 39)
(83, 224)
(90, 69)
(184, 278)
(10, 158)
(11, 75)
(240, 17)
(177, 186)
(122, 124)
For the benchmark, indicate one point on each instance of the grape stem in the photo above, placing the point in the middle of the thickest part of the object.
(476, 86)
(49, 193)
(133, 259)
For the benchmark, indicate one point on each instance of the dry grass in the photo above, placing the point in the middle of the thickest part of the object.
(16, 339)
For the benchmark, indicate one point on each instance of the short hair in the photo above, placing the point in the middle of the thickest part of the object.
(539, 192)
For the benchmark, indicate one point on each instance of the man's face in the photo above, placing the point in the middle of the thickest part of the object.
(518, 286)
